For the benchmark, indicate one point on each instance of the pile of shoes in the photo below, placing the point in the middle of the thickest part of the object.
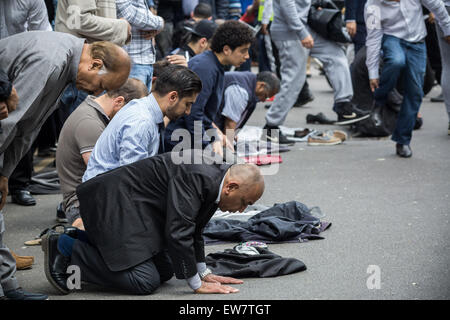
(327, 138)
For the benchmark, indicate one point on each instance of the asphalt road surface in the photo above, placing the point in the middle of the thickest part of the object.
(390, 218)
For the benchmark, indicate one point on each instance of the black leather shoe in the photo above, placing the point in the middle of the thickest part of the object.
(55, 264)
(60, 214)
(403, 150)
(318, 118)
(23, 198)
(19, 294)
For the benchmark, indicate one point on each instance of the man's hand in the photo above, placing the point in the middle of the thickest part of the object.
(431, 18)
(219, 279)
(214, 287)
(218, 147)
(13, 100)
(264, 29)
(351, 28)
(447, 38)
(308, 42)
(129, 30)
(177, 59)
(3, 110)
(149, 35)
(3, 190)
(374, 84)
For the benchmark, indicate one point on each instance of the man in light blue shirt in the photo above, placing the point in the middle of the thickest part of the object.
(398, 28)
(134, 133)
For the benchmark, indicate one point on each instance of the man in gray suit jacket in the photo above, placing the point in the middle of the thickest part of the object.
(144, 222)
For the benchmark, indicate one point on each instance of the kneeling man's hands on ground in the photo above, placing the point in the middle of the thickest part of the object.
(214, 284)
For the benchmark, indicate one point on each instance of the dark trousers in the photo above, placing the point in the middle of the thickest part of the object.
(142, 279)
(21, 176)
(359, 40)
(406, 59)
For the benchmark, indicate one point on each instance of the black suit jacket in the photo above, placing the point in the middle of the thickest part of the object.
(133, 212)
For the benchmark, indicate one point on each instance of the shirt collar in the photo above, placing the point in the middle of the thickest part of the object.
(90, 100)
(220, 188)
(155, 109)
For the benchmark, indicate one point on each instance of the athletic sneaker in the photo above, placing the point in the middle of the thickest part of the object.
(274, 134)
(348, 113)
(323, 139)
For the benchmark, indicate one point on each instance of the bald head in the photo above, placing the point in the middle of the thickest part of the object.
(248, 174)
(243, 186)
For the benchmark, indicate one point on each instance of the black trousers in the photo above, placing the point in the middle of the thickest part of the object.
(142, 279)
(21, 176)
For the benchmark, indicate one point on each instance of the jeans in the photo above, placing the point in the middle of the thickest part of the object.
(408, 61)
(143, 72)
(72, 98)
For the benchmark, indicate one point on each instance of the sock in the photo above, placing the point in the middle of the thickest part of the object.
(65, 245)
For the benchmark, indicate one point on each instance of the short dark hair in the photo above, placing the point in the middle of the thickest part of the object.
(180, 79)
(203, 11)
(159, 66)
(132, 89)
(233, 34)
(270, 79)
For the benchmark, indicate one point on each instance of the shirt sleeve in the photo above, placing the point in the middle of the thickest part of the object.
(136, 137)
(184, 203)
(289, 11)
(373, 40)
(88, 24)
(139, 17)
(267, 12)
(350, 7)
(37, 16)
(197, 115)
(86, 135)
(236, 99)
(437, 7)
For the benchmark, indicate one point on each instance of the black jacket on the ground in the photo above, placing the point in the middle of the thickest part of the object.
(285, 222)
(133, 212)
(231, 263)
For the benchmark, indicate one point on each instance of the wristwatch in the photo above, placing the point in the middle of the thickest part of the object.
(204, 273)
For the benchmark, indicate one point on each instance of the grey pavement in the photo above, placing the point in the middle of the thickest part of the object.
(389, 212)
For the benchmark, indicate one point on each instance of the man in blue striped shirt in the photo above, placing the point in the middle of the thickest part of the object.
(144, 27)
(134, 132)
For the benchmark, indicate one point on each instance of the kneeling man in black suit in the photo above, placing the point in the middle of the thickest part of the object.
(144, 222)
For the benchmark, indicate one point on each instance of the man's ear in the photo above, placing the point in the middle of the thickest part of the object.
(96, 64)
(230, 187)
(227, 50)
(173, 97)
(119, 102)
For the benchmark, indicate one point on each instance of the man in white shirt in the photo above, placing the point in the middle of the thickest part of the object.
(398, 29)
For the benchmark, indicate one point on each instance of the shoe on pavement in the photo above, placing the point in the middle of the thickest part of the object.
(19, 294)
(418, 124)
(274, 134)
(318, 118)
(348, 113)
(338, 134)
(23, 197)
(60, 214)
(23, 262)
(403, 150)
(323, 139)
(439, 98)
(55, 264)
